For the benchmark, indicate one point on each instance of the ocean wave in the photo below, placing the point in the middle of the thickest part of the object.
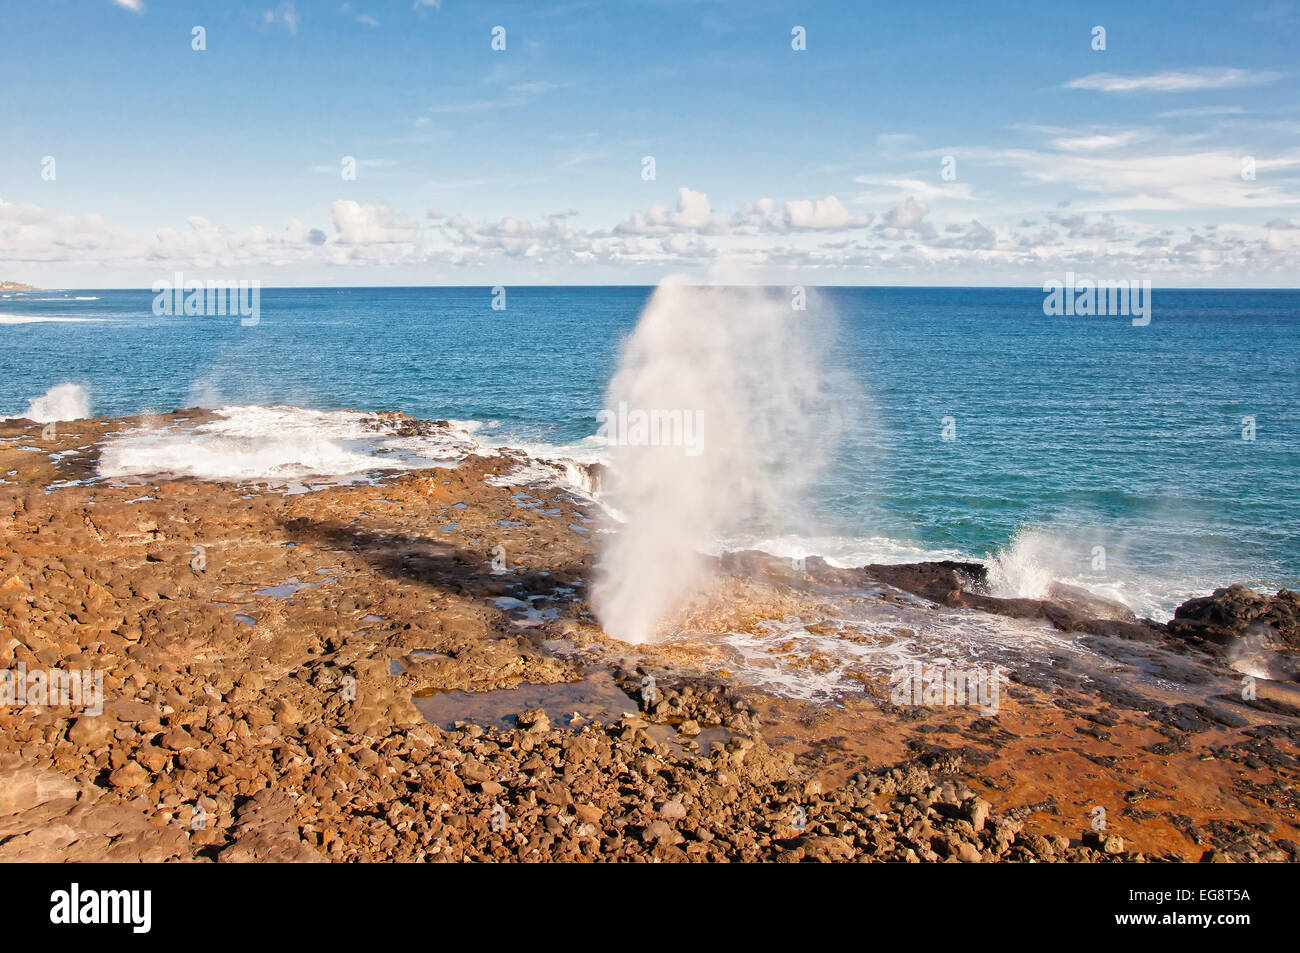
(844, 552)
(46, 319)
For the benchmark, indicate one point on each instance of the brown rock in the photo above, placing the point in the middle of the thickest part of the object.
(129, 776)
(91, 731)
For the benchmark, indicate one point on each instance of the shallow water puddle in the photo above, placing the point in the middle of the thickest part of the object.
(567, 704)
(595, 698)
(287, 588)
(702, 743)
(524, 614)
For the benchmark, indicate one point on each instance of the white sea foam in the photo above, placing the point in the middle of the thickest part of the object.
(280, 445)
(61, 402)
(563, 465)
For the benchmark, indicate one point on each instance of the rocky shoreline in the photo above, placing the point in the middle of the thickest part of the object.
(265, 657)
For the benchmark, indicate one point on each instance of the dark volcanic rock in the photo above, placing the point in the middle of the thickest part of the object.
(944, 581)
(1068, 608)
(1233, 611)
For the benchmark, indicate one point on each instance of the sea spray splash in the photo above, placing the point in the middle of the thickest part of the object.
(718, 418)
(61, 402)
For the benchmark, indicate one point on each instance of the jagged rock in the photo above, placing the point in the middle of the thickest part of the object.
(1233, 610)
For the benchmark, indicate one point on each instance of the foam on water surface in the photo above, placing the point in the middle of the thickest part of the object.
(283, 446)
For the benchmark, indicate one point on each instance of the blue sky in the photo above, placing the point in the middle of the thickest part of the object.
(823, 165)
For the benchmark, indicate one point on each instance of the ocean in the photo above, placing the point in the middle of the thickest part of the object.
(1148, 463)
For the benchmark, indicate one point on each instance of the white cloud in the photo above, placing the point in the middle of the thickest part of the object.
(1197, 111)
(1163, 181)
(821, 213)
(693, 209)
(895, 188)
(906, 216)
(693, 212)
(371, 224)
(825, 214)
(29, 232)
(1096, 142)
(1173, 81)
(135, 6)
(906, 242)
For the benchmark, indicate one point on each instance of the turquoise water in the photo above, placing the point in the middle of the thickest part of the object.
(1071, 433)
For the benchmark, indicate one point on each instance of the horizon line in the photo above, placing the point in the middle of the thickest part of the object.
(306, 287)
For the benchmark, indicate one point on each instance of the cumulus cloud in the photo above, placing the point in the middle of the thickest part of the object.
(820, 214)
(135, 6)
(517, 238)
(1080, 226)
(800, 236)
(693, 213)
(371, 224)
(761, 216)
(29, 232)
(908, 215)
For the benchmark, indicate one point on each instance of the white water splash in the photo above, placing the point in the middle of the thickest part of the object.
(61, 402)
(745, 365)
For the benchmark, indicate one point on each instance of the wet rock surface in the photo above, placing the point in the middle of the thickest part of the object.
(965, 585)
(249, 718)
(1240, 623)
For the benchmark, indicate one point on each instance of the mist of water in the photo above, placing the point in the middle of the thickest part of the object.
(60, 402)
(737, 375)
